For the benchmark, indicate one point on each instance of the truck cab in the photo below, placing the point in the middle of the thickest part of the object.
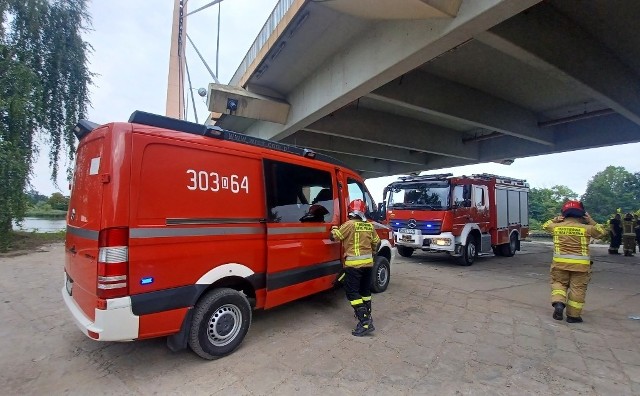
(462, 216)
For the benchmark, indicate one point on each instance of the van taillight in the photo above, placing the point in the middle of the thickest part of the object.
(113, 263)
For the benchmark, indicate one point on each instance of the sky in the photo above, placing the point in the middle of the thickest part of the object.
(131, 42)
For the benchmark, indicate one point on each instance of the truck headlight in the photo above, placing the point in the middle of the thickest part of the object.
(441, 241)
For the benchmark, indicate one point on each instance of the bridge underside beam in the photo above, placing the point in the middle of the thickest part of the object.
(365, 65)
(585, 134)
(394, 131)
(575, 58)
(453, 101)
(339, 145)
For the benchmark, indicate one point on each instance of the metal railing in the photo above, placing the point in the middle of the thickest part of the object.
(269, 26)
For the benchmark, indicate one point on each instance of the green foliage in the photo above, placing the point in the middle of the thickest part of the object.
(44, 82)
(612, 189)
(34, 197)
(58, 201)
(545, 203)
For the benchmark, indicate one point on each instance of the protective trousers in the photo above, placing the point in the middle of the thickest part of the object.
(628, 244)
(569, 288)
(358, 288)
(357, 285)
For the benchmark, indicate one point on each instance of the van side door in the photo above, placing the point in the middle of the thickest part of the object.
(302, 205)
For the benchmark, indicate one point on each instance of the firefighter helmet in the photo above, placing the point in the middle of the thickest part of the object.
(357, 208)
(573, 208)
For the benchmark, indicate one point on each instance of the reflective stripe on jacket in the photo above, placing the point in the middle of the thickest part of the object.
(571, 238)
(359, 240)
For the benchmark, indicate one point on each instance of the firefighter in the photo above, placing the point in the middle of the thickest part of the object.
(637, 231)
(571, 264)
(360, 243)
(628, 235)
(615, 233)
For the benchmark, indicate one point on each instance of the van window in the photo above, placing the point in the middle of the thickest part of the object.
(357, 191)
(292, 190)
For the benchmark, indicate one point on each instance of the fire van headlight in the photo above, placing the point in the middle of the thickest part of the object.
(441, 241)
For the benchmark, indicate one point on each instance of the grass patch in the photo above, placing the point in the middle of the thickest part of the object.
(23, 242)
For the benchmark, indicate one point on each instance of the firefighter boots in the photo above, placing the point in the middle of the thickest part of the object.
(571, 319)
(365, 324)
(367, 304)
(558, 308)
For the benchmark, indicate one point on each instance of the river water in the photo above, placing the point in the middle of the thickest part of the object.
(41, 225)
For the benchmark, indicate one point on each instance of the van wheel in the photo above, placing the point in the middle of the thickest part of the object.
(381, 275)
(469, 252)
(405, 251)
(220, 321)
(509, 249)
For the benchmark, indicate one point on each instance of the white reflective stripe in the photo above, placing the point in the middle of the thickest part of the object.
(111, 278)
(136, 233)
(108, 286)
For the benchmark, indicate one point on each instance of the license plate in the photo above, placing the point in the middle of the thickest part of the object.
(69, 285)
(408, 231)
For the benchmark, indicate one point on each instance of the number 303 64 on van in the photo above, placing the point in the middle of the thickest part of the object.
(180, 230)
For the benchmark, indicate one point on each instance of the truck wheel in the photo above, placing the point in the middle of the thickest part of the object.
(469, 252)
(405, 251)
(380, 275)
(220, 321)
(509, 249)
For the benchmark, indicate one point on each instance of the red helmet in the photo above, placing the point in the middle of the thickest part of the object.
(357, 207)
(573, 209)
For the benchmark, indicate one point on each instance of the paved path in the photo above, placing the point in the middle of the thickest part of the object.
(441, 329)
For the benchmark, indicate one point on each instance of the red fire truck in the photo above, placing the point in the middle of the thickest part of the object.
(464, 216)
(177, 229)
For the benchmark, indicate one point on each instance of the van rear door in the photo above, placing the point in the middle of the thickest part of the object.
(84, 219)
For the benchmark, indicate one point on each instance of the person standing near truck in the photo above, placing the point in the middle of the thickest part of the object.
(628, 235)
(360, 242)
(571, 265)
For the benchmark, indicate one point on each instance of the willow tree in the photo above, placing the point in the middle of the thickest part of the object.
(44, 80)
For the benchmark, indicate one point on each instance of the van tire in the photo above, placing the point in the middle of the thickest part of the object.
(469, 252)
(509, 249)
(405, 251)
(220, 321)
(380, 275)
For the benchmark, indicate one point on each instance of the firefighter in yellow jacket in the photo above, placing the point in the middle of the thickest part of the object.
(360, 242)
(571, 265)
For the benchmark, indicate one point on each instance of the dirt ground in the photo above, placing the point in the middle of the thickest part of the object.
(440, 329)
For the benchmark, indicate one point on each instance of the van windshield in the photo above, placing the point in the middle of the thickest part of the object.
(428, 196)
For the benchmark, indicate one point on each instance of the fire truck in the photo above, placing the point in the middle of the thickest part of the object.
(181, 230)
(465, 216)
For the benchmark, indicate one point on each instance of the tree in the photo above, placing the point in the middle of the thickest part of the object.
(612, 189)
(44, 82)
(58, 201)
(33, 197)
(545, 203)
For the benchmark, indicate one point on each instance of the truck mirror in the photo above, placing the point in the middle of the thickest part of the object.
(466, 192)
(382, 211)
